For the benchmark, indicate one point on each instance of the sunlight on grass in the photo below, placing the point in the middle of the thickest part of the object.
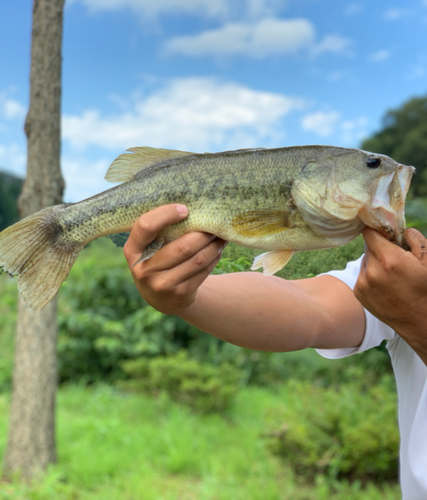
(133, 447)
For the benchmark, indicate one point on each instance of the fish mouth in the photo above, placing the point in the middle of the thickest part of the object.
(386, 212)
(388, 223)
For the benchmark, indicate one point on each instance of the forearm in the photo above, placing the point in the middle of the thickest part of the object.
(272, 314)
(247, 309)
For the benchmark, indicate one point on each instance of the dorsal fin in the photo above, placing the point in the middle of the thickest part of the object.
(125, 166)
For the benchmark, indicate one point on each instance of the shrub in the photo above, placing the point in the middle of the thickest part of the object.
(202, 387)
(103, 320)
(8, 315)
(343, 432)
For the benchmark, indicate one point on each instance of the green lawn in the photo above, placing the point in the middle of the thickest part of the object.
(119, 446)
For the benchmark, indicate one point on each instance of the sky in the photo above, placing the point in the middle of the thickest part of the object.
(212, 75)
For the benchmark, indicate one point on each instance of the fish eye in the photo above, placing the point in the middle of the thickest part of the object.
(373, 162)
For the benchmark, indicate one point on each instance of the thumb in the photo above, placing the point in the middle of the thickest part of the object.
(145, 229)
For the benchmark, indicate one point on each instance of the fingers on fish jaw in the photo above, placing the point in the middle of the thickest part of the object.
(386, 221)
(272, 262)
(385, 213)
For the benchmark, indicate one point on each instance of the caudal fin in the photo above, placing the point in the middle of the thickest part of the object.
(31, 250)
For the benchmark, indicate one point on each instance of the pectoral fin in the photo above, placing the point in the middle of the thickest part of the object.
(151, 249)
(261, 222)
(271, 262)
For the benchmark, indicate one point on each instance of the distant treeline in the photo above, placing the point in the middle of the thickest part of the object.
(10, 187)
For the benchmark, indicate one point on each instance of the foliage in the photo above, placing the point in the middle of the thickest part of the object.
(346, 431)
(133, 446)
(302, 265)
(104, 320)
(8, 314)
(10, 187)
(404, 137)
(416, 214)
(201, 386)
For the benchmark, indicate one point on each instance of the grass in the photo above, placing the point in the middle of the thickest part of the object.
(133, 447)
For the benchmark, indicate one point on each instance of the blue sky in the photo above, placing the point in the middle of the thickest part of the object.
(211, 75)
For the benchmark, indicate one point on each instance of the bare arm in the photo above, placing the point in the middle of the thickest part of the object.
(392, 285)
(273, 314)
(246, 309)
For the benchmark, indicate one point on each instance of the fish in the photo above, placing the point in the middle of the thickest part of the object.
(279, 200)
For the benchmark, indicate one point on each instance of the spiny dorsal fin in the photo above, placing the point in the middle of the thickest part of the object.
(125, 166)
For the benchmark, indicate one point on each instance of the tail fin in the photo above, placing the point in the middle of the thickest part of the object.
(31, 250)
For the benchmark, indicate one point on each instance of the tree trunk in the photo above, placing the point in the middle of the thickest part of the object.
(31, 440)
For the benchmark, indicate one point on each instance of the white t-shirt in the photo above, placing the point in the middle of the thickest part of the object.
(411, 379)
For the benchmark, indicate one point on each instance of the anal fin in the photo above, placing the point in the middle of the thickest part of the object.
(271, 262)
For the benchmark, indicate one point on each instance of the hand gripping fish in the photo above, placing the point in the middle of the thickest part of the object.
(279, 200)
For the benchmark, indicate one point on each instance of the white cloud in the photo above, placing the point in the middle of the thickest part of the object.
(380, 55)
(13, 158)
(353, 9)
(337, 75)
(418, 70)
(266, 37)
(394, 14)
(256, 9)
(84, 178)
(199, 114)
(10, 109)
(322, 123)
(328, 123)
(353, 131)
(152, 8)
(332, 43)
(247, 9)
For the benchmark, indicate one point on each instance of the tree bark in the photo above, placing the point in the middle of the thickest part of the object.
(31, 440)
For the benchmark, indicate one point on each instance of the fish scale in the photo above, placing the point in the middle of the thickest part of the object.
(281, 200)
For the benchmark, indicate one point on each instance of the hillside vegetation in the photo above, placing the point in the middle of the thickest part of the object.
(10, 187)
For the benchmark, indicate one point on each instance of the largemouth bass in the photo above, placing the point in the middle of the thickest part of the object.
(280, 200)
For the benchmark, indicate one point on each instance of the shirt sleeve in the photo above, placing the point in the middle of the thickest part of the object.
(375, 331)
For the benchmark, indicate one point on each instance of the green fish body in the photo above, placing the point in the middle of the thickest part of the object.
(279, 200)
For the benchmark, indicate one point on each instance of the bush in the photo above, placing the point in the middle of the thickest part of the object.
(343, 432)
(416, 214)
(8, 315)
(202, 387)
(103, 320)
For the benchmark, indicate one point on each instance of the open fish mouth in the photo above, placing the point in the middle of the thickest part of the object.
(386, 213)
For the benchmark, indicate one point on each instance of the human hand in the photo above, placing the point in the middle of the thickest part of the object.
(392, 285)
(169, 280)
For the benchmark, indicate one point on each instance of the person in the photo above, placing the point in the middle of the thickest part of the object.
(380, 296)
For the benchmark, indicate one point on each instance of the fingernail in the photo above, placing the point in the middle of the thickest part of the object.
(182, 209)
